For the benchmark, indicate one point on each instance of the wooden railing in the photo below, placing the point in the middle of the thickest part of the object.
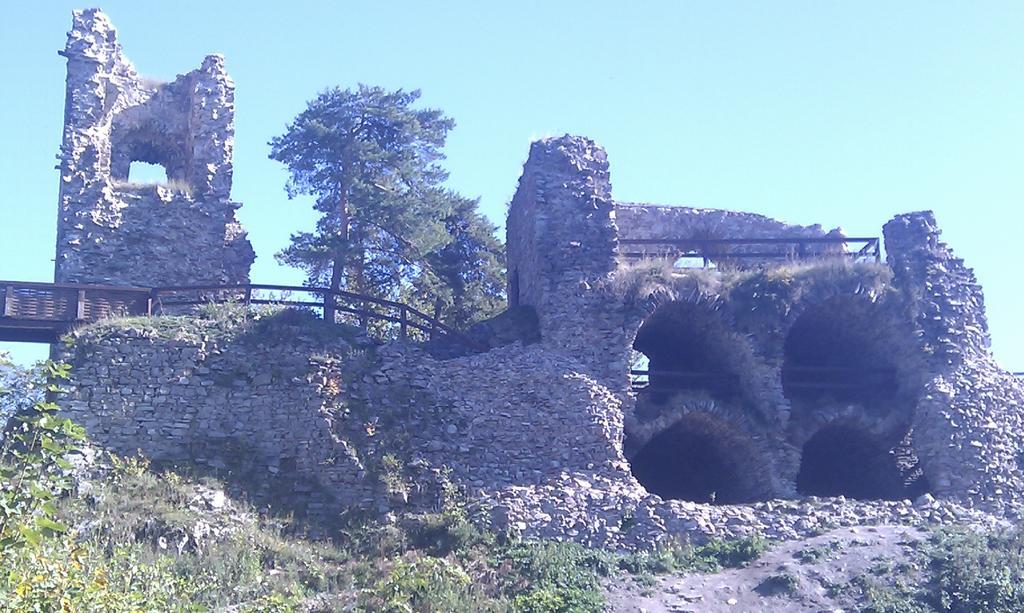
(640, 380)
(724, 249)
(361, 307)
(799, 378)
(41, 312)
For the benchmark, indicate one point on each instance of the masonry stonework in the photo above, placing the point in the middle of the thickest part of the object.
(783, 396)
(112, 231)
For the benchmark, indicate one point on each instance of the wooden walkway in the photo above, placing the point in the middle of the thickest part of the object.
(42, 312)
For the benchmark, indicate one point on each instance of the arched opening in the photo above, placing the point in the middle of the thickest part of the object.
(841, 460)
(142, 137)
(145, 172)
(837, 352)
(687, 348)
(701, 459)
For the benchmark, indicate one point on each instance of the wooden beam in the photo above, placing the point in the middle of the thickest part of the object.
(8, 301)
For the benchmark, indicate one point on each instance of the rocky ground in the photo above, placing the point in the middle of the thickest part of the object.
(828, 572)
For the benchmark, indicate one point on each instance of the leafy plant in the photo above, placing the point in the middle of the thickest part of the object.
(34, 470)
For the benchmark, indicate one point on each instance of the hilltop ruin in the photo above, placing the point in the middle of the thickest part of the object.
(789, 383)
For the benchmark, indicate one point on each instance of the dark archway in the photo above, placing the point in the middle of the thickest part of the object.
(842, 460)
(688, 348)
(837, 352)
(701, 459)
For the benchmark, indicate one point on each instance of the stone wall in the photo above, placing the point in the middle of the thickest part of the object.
(561, 247)
(968, 422)
(112, 231)
(542, 436)
(650, 221)
(307, 420)
(290, 405)
(923, 329)
(253, 405)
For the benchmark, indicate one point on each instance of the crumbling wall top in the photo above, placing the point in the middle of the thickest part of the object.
(113, 230)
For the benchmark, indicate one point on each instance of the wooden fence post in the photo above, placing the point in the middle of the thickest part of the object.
(403, 317)
(9, 301)
(329, 307)
(80, 304)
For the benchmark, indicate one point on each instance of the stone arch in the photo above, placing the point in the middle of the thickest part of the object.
(852, 374)
(152, 134)
(691, 349)
(702, 457)
(850, 351)
(845, 459)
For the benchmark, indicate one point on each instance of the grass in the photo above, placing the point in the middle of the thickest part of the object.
(958, 570)
(176, 186)
(221, 322)
(812, 555)
(786, 280)
(150, 540)
(680, 557)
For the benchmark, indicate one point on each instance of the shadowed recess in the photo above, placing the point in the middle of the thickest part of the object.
(701, 459)
(689, 348)
(846, 461)
(836, 352)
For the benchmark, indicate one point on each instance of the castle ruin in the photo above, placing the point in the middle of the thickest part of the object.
(782, 391)
(868, 380)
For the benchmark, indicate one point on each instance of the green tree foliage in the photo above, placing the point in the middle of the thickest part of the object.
(463, 280)
(387, 227)
(19, 390)
(33, 469)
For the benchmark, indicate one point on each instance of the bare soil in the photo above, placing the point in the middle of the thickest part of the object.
(822, 573)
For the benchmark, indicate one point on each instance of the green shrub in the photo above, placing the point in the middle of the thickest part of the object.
(562, 576)
(974, 571)
(34, 472)
(63, 574)
(425, 584)
(710, 557)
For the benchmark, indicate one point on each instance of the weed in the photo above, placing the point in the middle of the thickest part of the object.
(778, 583)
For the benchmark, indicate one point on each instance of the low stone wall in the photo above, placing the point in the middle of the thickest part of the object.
(653, 221)
(254, 407)
(288, 414)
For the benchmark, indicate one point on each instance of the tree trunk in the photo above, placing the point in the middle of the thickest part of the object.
(359, 274)
(338, 265)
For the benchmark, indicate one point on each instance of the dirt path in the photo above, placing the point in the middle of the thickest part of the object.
(823, 573)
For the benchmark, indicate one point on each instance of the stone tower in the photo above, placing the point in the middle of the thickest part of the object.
(561, 246)
(112, 231)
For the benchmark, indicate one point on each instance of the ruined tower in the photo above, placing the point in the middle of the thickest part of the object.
(113, 231)
(561, 243)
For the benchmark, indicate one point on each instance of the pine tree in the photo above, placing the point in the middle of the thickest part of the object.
(388, 227)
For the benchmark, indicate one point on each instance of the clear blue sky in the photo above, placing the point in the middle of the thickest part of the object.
(842, 113)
